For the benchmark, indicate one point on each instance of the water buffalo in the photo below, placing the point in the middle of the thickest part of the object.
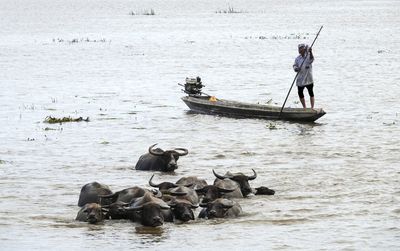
(91, 212)
(213, 192)
(192, 182)
(220, 208)
(159, 160)
(241, 179)
(150, 211)
(91, 192)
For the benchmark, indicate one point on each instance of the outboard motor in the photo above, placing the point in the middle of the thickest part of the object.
(193, 86)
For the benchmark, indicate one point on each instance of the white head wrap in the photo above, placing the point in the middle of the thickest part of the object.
(301, 45)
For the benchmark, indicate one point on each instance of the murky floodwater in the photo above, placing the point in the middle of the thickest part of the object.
(336, 181)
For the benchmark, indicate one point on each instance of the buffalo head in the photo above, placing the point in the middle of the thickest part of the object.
(182, 209)
(148, 210)
(149, 214)
(91, 212)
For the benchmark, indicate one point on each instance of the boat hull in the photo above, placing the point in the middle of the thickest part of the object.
(203, 104)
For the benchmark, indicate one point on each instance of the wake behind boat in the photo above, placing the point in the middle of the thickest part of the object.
(200, 102)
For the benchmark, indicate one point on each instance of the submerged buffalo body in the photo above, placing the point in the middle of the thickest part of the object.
(241, 180)
(91, 212)
(91, 193)
(264, 191)
(159, 160)
(220, 208)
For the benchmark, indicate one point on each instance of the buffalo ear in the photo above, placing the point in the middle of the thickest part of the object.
(156, 193)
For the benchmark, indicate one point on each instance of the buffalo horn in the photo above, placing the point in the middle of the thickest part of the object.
(151, 182)
(164, 207)
(151, 151)
(224, 190)
(254, 176)
(185, 151)
(218, 176)
(137, 208)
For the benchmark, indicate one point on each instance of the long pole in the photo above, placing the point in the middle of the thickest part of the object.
(298, 73)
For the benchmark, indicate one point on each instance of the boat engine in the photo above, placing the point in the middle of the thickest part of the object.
(193, 86)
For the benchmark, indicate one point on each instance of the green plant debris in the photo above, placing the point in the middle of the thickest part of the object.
(105, 143)
(271, 126)
(389, 123)
(78, 40)
(150, 12)
(230, 10)
(49, 129)
(53, 120)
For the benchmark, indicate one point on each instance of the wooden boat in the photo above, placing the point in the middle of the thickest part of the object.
(210, 105)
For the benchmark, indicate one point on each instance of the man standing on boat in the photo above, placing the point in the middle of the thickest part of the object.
(303, 65)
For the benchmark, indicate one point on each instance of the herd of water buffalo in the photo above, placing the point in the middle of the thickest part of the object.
(167, 202)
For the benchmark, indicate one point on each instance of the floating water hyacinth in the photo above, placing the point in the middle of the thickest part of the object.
(272, 126)
(281, 37)
(230, 10)
(53, 120)
(150, 12)
(80, 40)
